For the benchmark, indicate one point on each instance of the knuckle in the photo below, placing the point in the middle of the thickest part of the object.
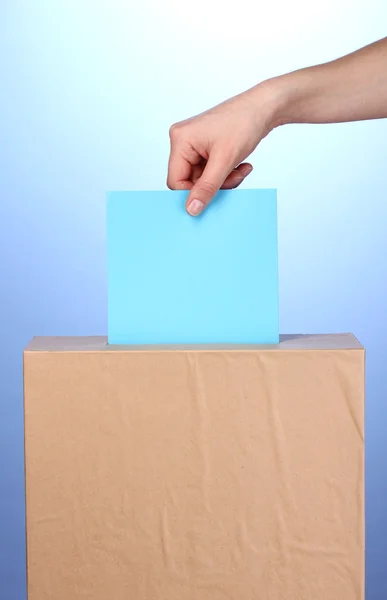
(208, 188)
(171, 181)
(175, 131)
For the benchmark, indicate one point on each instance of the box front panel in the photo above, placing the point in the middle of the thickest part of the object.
(194, 475)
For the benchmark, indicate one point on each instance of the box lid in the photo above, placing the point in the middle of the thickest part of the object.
(289, 342)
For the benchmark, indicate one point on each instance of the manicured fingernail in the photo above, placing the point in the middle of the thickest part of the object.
(195, 207)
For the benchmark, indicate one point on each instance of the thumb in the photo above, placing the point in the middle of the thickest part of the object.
(211, 180)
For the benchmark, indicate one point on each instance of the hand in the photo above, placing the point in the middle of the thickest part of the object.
(207, 151)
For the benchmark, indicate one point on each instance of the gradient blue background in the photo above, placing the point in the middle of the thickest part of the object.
(88, 90)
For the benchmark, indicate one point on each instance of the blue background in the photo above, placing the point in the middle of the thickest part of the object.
(88, 91)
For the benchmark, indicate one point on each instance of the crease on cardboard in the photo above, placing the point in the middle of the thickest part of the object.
(244, 541)
(345, 388)
(165, 541)
(348, 575)
(283, 499)
(200, 423)
(312, 549)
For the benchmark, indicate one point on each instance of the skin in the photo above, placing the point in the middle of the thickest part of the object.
(208, 151)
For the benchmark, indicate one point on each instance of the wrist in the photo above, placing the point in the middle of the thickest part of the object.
(272, 102)
(309, 95)
(288, 98)
(287, 93)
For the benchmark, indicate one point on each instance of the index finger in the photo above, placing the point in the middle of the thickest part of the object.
(179, 171)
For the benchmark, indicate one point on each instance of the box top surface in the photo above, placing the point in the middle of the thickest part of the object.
(299, 342)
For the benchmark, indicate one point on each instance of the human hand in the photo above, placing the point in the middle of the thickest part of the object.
(207, 151)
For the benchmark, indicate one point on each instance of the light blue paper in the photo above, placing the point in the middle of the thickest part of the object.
(177, 279)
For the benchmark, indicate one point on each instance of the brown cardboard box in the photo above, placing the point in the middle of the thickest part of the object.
(195, 473)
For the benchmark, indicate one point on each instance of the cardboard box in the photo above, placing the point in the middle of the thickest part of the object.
(195, 473)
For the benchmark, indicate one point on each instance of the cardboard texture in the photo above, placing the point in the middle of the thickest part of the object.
(231, 473)
(176, 279)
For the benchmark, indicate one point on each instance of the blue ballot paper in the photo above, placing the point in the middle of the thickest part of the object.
(177, 279)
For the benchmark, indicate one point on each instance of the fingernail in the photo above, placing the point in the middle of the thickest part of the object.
(195, 207)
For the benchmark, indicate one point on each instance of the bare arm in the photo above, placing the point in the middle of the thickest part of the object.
(352, 88)
(209, 150)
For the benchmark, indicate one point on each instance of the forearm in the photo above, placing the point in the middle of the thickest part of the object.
(352, 88)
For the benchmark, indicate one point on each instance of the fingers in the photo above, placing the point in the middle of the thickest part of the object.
(179, 172)
(218, 173)
(237, 176)
(233, 180)
(181, 160)
(189, 170)
(214, 175)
